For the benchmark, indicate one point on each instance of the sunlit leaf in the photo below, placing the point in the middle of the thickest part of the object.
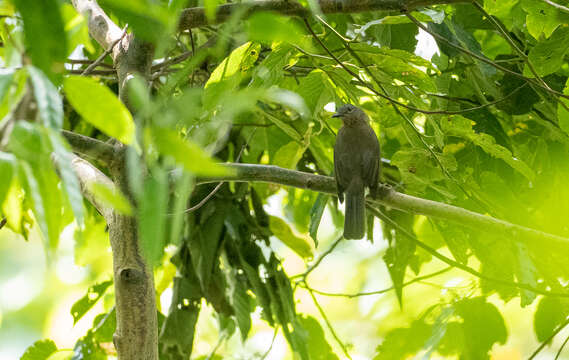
(211, 7)
(152, 209)
(289, 155)
(40, 350)
(542, 18)
(319, 348)
(62, 159)
(147, 19)
(7, 167)
(284, 233)
(483, 326)
(100, 107)
(110, 196)
(48, 99)
(460, 126)
(316, 216)
(187, 153)
(548, 55)
(271, 27)
(49, 50)
(94, 293)
(240, 60)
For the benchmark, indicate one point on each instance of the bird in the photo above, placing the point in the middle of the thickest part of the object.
(356, 166)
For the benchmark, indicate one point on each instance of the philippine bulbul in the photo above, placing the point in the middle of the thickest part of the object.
(356, 166)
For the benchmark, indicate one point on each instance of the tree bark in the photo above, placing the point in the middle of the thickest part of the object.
(196, 17)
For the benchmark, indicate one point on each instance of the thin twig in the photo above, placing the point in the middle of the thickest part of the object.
(172, 61)
(561, 348)
(377, 292)
(100, 59)
(86, 62)
(546, 341)
(556, 5)
(329, 325)
(264, 356)
(103, 72)
(315, 265)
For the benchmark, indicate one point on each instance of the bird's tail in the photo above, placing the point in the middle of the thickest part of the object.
(354, 222)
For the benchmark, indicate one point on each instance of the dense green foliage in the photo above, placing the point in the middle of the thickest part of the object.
(483, 125)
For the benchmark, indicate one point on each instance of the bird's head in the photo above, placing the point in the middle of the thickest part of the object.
(351, 115)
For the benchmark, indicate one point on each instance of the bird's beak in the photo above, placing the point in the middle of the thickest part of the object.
(337, 115)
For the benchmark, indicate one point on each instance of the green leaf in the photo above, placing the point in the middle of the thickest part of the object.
(205, 245)
(48, 51)
(316, 215)
(183, 189)
(187, 154)
(211, 8)
(268, 27)
(287, 98)
(110, 196)
(152, 208)
(7, 166)
(148, 20)
(314, 91)
(100, 107)
(550, 313)
(104, 326)
(177, 334)
(49, 102)
(12, 207)
(241, 303)
(6, 79)
(402, 342)
(542, 18)
(93, 295)
(40, 350)
(298, 244)
(483, 326)
(239, 61)
(548, 55)
(526, 273)
(28, 142)
(289, 155)
(419, 169)
(319, 348)
(397, 64)
(68, 177)
(562, 113)
(76, 29)
(462, 127)
(13, 87)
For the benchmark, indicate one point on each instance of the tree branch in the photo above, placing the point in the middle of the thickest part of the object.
(101, 27)
(92, 148)
(88, 175)
(195, 17)
(388, 197)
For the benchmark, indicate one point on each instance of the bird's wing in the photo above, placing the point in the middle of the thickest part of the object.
(371, 162)
(337, 171)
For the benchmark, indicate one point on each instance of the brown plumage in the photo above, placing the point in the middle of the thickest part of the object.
(356, 166)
